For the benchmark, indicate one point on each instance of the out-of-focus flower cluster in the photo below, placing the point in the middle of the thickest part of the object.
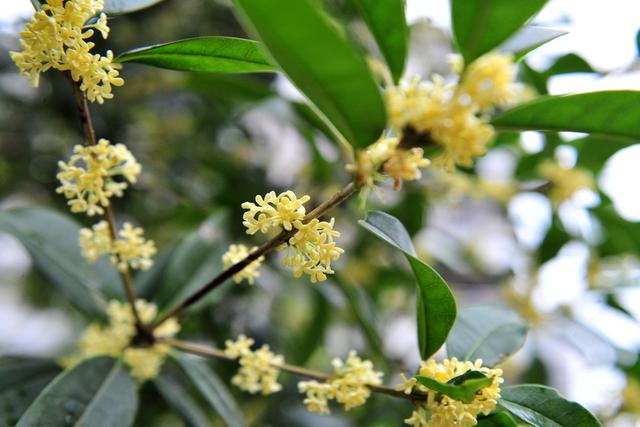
(237, 253)
(443, 411)
(565, 182)
(57, 37)
(348, 385)
(453, 115)
(115, 339)
(312, 248)
(258, 371)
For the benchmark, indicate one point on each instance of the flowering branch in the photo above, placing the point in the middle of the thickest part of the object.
(265, 248)
(90, 138)
(206, 351)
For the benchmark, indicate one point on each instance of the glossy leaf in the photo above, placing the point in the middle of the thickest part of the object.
(178, 398)
(195, 260)
(204, 54)
(608, 113)
(21, 380)
(120, 7)
(479, 26)
(462, 388)
(212, 389)
(436, 306)
(542, 406)
(98, 392)
(388, 25)
(488, 332)
(500, 419)
(321, 63)
(52, 241)
(528, 39)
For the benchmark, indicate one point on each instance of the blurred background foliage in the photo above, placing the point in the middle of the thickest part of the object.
(210, 142)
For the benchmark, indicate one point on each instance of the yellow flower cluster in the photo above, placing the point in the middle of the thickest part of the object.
(445, 411)
(565, 182)
(450, 115)
(88, 178)
(311, 249)
(385, 156)
(258, 368)
(347, 385)
(56, 38)
(237, 253)
(114, 339)
(129, 250)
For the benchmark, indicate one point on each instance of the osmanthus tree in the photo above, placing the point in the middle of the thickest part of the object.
(388, 127)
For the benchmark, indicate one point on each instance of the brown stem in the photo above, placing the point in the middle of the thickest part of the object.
(268, 246)
(90, 137)
(202, 350)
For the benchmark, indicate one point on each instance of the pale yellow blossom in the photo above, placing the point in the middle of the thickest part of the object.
(348, 385)
(96, 241)
(115, 339)
(565, 182)
(445, 411)
(237, 253)
(274, 211)
(258, 371)
(88, 178)
(132, 250)
(405, 165)
(56, 37)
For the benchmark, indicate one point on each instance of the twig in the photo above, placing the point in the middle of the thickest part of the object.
(268, 246)
(90, 137)
(206, 351)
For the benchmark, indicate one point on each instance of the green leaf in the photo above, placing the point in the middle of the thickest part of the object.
(204, 54)
(528, 39)
(479, 26)
(594, 151)
(542, 406)
(98, 392)
(488, 332)
(462, 388)
(321, 63)
(618, 235)
(120, 7)
(52, 241)
(212, 389)
(608, 113)
(195, 261)
(21, 380)
(181, 401)
(501, 419)
(388, 24)
(436, 306)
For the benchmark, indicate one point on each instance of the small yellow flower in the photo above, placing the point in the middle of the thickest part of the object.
(444, 410)
(405, 165)
(132, 250)
(114, 339)
(96, 241)
(56, 38)
(258, 371)
(273, 212)
(87, 180)
(237, 253)
(348, 385)
(565, 182)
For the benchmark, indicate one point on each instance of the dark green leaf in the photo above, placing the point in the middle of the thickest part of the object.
(618, 235)
(119, 7)
(608, 113)
(542, 406)
(554, 240)
(488, 332)
(482, 25)
(501, 419)
(98, 392)
(21, 380)
(321, 63)
(52, 241)
(195, 261)
(436, 306)
(181, 401)
(594, 151)
(462, 388)
(528, 39)
(204, 54)
(569, 63)
(388, 24)
(212, 389)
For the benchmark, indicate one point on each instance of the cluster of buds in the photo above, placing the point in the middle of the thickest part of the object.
(258, 371)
